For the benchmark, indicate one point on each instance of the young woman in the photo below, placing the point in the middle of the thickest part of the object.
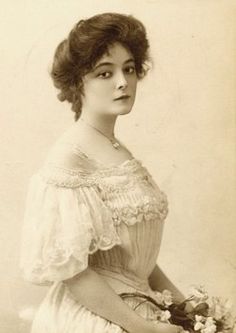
(94, 216)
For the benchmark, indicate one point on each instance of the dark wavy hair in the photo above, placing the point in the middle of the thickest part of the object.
(87, 42)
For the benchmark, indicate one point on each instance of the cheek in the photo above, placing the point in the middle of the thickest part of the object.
(100, 88)
(92, 91)
(133, 84)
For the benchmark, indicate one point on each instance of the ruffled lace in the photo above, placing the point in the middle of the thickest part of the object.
(65, 177)
(62, 227)
(147, 211)
(72, 213)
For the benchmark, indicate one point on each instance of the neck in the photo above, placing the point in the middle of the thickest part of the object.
(105, 124)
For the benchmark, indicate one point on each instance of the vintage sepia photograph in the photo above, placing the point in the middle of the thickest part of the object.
(118, 166)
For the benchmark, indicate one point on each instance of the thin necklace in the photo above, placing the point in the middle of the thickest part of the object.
(113, 141)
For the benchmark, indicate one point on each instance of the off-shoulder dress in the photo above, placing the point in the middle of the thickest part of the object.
(109, 218)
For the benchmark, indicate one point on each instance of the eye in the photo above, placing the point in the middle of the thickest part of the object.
(104, 75)
(130, 69)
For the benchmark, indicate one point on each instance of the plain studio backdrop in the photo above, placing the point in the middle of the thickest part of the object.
(182, 127)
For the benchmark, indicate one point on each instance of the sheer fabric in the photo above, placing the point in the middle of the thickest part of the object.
(108, 218)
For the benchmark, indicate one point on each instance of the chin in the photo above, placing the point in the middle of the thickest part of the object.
(124, 110)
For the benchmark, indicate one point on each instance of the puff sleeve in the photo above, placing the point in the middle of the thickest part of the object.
(65, 221)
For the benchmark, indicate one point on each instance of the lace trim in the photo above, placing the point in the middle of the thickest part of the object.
(147, 211)
(153, 206)
(59, 254)
(72, 178)
(121, 184)
(69, 178)
(69, 260)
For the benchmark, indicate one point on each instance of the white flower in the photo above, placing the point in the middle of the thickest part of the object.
(198, 323)
(199, 318)
(210, 321)
(209, 329)
(198, 326)
(198, 294)
(167, 297)
(165, 315)
(205, 325)
(210, 326)
(158, 297)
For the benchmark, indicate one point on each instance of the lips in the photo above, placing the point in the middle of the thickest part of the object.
(122, 97)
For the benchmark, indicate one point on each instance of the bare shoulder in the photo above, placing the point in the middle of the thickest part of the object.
(65, 155)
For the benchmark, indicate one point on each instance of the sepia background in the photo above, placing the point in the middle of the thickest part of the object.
(182, 127)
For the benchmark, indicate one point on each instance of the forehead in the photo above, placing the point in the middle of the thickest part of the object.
(116, 53)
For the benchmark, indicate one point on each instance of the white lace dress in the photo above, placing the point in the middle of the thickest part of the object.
(108, 218)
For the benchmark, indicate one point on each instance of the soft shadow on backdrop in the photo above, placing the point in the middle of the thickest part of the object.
(182, 127)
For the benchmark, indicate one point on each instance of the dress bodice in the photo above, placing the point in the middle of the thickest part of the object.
(110, 218)
(138, 209)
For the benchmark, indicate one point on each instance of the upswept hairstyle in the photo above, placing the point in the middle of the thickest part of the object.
(88, 41)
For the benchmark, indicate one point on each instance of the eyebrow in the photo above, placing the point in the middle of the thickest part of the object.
(110, 63)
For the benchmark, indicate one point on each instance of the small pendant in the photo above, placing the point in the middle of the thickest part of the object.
(116, 145)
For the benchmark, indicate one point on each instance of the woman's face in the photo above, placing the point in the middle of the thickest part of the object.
(112, 77)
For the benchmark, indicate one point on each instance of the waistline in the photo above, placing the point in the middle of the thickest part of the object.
(126, 278)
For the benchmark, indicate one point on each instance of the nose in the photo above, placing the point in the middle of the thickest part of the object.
(121, 82)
